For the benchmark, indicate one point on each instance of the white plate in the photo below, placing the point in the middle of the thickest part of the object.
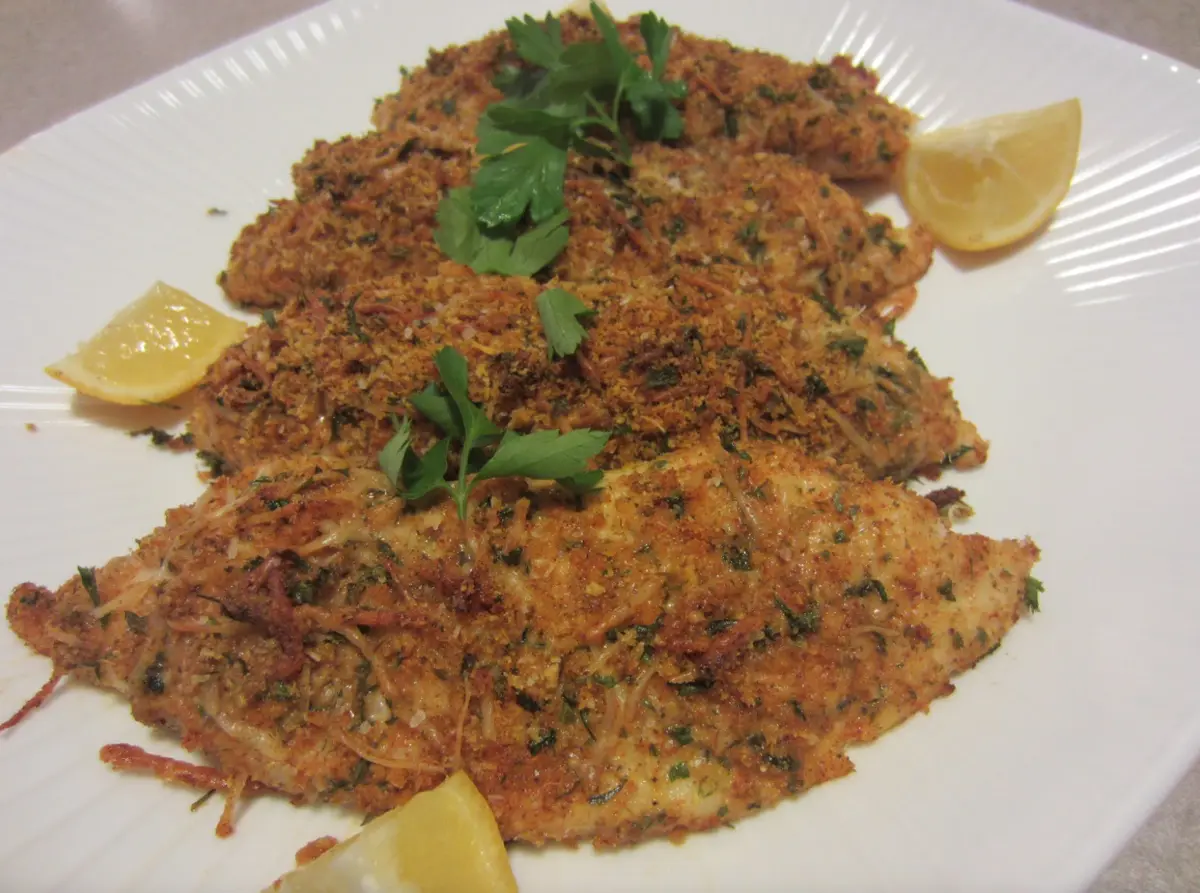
(1074, 354)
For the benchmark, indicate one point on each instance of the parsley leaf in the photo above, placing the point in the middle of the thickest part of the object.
(540, 455)
(657, 35)
(395, 451)
(516, 82)
(537, 42)
(657, 118)
(413, 476)
(528, 176)
(87, 576)
(477, 428)
(462, 238)
(544, 455)
(1033, 590)
(536, 248)
(649, 96)
(458, 234)
(584, 482)
(429, 472)
(511, 219)
(560, 312)
(505, 126)
(436, 405)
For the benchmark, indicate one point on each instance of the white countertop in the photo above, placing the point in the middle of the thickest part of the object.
(60, 56)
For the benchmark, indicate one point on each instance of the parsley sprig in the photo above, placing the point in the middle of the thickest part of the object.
(561, 313)
(540, 455)
(512, 218)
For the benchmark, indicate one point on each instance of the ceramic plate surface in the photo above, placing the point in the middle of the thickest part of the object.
(1074, 354)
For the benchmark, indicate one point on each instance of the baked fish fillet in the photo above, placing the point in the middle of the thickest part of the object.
(703, 637)
(366, 207)
(827, 116)
(665, 362)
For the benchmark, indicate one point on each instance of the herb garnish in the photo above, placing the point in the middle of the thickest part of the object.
(87, 576)
(660, 377)
(512, 218)
(561, 312)
(601, 799)
(1033, 589)
(217, 466)
(827, 305)
(800, 623)
(866, 587)
(135, 622)
(676, 503)
(528, 702)
(852, 346)
(954, 455)
(540, 455)
(461, 238)
(699, 685)
(716, 627)
(737, 557)
(154, 678)
(546, 739)
(511, 557)
(785, 763)
(681, 734)
(352, 322)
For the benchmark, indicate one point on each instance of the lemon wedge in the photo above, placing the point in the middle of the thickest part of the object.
(441, 841)
(154, 349)
(993, 181)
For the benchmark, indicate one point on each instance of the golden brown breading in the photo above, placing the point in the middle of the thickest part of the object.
(825, 115)
(665, 361)
(772, 218)
(365, 207)
(699, 640)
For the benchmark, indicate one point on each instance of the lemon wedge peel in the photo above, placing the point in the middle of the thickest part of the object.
(441, 841)
(154, 349)
(994, 181)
